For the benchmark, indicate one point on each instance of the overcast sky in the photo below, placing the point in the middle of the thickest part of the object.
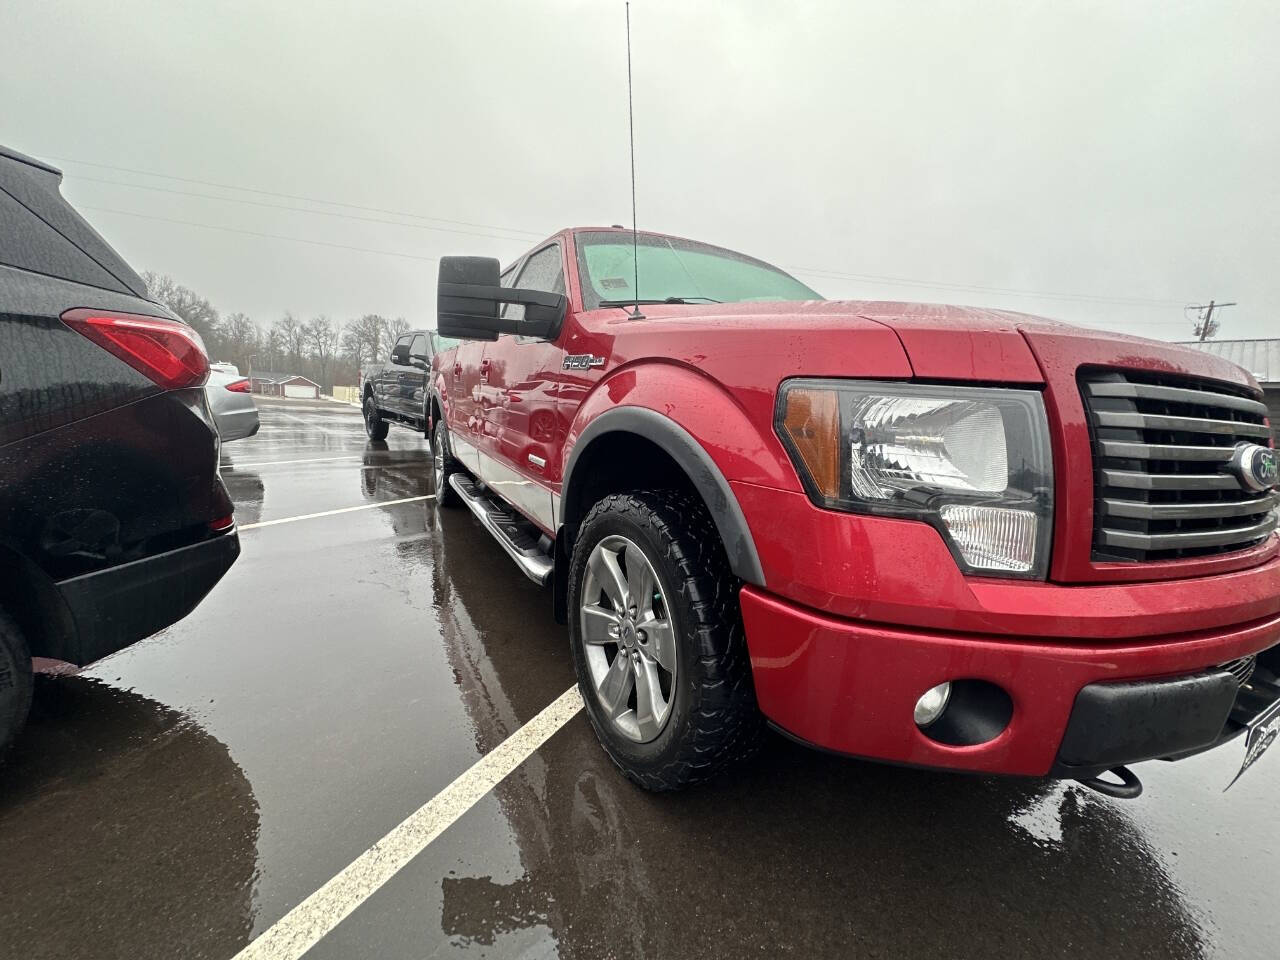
(1123, 155)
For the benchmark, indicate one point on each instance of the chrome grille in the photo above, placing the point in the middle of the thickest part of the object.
(1161, 447)
(1241, 669)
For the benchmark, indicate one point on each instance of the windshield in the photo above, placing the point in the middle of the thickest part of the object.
(677, 271)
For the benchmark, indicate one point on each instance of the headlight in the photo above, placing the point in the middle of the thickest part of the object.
(973, 461)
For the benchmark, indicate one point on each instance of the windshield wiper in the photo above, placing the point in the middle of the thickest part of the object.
(630, 303)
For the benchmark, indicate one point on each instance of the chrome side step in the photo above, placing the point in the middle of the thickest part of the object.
(515, 534)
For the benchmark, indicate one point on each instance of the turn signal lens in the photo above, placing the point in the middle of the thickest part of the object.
(812, 421)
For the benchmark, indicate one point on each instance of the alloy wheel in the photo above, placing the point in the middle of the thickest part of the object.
(629, 639)
(437, 463)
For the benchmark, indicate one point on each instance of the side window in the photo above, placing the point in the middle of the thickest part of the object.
(542, 271)
(402, 342)
(508, 279)
(419, 347)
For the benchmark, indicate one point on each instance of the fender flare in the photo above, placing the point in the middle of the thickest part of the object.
(698, 466)
(438, 397)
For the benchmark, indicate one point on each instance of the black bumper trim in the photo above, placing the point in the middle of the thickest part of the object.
(1125, 722)
(121, 605)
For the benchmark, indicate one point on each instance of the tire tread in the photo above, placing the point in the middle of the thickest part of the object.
(725, 723)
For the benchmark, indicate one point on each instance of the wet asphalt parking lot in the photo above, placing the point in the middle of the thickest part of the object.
(179, 798)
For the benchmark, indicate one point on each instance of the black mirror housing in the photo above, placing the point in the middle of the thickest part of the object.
(470, 295)
(400, 356)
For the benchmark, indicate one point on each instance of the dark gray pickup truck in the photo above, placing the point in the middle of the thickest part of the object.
(396, 391)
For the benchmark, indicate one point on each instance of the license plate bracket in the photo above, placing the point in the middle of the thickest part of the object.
(1260, 735)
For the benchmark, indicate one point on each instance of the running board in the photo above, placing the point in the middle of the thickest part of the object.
(514, 533)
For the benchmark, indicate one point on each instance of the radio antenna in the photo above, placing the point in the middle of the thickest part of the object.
(631, 123)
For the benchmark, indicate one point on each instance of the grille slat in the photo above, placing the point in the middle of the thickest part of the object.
(1161, 450)
(1196, 396)
(1182, 541)
(1147, 421)
(1136, 480)
(1183, 511)
(1125, 450)
(1241, 669)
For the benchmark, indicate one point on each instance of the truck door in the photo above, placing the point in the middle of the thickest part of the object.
(390, 393)
(520, 449)
(416, 377)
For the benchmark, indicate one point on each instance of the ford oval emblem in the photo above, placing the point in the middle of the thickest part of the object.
(1254, 466)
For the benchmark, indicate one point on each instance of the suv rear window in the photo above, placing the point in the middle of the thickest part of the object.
(37, 189)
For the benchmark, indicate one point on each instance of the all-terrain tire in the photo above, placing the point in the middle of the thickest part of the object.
(15, 682)
(714, 719)
(443, 465)
(374, 425)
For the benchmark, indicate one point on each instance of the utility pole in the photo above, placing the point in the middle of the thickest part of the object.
(1205, 326)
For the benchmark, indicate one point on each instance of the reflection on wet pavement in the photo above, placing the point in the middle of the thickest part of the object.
(348, 668)
(109, 790)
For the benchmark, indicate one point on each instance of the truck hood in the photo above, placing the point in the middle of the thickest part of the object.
(947, 342)
(944, 342)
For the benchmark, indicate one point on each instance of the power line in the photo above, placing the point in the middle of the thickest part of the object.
(319, 213)
(336, 246)
(254, 233)
(808, 271)
(534, 235)
(979, 288)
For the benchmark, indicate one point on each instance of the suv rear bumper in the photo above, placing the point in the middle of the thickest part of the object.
(121, 605)
(851, 686)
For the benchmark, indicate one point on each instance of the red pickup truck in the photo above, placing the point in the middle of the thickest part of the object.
(932, 535)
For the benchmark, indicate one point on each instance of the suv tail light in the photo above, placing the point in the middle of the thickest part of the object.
(239, 386)
(165, 351)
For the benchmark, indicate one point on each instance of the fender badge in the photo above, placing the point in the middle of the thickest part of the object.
(582, 361)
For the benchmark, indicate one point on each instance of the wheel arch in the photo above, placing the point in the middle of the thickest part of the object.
(686, 453)
(36, 605)
(436, 405)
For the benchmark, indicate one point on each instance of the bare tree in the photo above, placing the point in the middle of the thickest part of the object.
(397, 328)
(240, 337)
(364, 338)
(189, 305)
(323, 339)
(273, 348)
(293, 337)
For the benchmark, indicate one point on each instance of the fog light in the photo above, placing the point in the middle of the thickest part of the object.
(932, 703)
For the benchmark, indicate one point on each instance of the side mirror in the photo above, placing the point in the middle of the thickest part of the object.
(400, 355)
(470, 294)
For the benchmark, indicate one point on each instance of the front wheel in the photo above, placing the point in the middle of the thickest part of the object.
(15, 682)
(442, 465)
(657, 640)
(374, 425)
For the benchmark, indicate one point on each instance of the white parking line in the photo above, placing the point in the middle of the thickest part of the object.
(330, 513)
(302, 927)
(273, 463)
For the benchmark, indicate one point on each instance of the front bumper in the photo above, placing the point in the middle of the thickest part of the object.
(851, 686)
(123, 604)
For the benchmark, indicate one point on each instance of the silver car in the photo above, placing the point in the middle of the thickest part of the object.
(231, 401)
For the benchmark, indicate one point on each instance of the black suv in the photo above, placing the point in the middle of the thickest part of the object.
(114, 522)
